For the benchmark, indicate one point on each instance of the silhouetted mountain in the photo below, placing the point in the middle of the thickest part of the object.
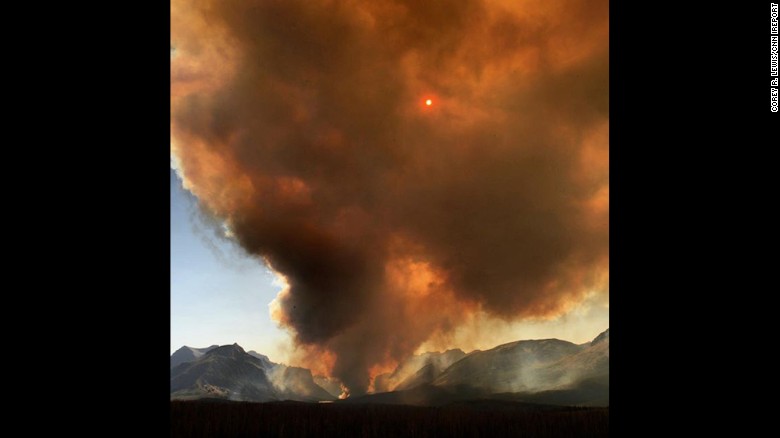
(228, 372)
(547, 371)
(224, 372)
(417, 370)
(590, 364)
(294, 383)
(188, 354)
(604, 336)
(513, 367)
(263, 358)
(424, 375)
(330, 384)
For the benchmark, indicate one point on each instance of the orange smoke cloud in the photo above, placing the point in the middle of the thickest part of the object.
(303, 125)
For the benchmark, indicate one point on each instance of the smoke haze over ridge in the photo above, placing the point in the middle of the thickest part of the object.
(302, 125)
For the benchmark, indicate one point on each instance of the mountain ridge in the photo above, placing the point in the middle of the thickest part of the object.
(188, 354)
(547, 371)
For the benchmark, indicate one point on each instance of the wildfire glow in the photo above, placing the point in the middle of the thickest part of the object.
(494, 207)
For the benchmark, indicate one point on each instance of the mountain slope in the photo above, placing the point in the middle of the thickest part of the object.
(267, 364)
(513, 367)
(229, 372)
(224, 372)
(330, 384)
(188, 354)
(591, 362)
(546, 372)
(604, 336)
(294, 383)
(417, 370)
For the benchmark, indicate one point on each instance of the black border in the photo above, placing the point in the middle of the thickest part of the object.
(106, 201)
(689, 130)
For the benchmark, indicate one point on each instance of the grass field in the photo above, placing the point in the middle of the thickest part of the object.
(290, 419)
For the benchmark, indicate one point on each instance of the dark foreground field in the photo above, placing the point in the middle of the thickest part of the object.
(289, 419)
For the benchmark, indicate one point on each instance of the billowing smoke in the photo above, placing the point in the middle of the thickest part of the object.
(303, 125)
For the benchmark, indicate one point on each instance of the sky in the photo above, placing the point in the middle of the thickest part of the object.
(416, 175)
(218, 294)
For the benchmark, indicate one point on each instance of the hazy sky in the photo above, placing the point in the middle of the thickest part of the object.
(420, 174)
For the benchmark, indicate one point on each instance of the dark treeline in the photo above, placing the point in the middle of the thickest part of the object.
(289, 419)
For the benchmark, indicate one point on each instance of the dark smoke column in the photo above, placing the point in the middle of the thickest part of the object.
(303, 126)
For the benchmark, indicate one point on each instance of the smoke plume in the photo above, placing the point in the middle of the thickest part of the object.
(304, 126)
